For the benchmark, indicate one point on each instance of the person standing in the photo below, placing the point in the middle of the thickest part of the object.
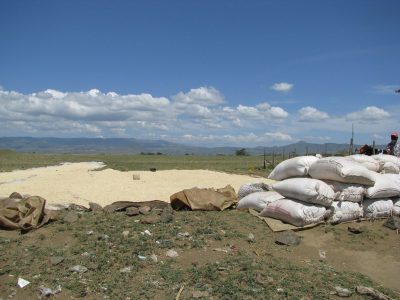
(390, 148)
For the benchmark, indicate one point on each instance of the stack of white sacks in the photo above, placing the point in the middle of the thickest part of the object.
(311, 190)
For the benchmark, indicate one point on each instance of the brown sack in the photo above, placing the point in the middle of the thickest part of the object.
(23, 214)
(204, 199)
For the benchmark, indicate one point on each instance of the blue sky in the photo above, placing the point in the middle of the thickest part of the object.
(208, 73)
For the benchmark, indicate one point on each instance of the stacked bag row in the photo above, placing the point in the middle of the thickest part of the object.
(311, 189)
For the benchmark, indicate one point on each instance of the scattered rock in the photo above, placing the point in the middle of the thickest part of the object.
(103, 237)
(322, 255)
(342, 292)
(136, 176)
(355, 230)
(132, 211)
(153, 219)
(374, 294)
(200, 294)
(172, 253)
(225, 250)
(55, 260)
(95, 207)
(154, 258)
(288, 237)
(167, 214)
(15, 195)
(145, 210)
(47, 292)
(77, 207)
(71, 217)
(250, 238)
(182, 235)
(78, 269)
(125, 233)
(146, 232)
(126, 270)
(119, 206)
(90, 232)
(22, 282)
(393, 223)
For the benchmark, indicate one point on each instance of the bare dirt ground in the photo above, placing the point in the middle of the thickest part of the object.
(80, 183)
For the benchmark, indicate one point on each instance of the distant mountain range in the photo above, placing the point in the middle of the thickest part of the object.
(137, 146)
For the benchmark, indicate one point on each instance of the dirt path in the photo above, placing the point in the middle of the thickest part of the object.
(375, 252)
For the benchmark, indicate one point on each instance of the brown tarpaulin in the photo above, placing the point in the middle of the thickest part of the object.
(204, 199)
(23, 214)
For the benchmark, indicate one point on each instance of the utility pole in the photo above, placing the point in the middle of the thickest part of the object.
(265, 166)
(351, 140)
(373, 147)
(273, 158)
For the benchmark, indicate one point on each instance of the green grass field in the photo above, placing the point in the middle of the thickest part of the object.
(252, 165)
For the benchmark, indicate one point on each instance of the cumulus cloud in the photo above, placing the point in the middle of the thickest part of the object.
(370, 113)
(314, 138)
(311, 114)
(261, 111)
(206, 96)
(278, 136)
(282, 87)
(95, 113)
(238, 139)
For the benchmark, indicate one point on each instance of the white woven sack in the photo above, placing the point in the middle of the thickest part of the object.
(293, 167)
(377, 208)
(295, 212)
(386, 185)
(258, 200)
(387, 158)
(249, 188)
(306, 189)
(344, 211)
(390, 168)
(342, 170)
(347, 191)
(367, 161)
(396, 206)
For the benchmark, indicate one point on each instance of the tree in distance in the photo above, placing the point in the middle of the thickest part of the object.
(242, 152)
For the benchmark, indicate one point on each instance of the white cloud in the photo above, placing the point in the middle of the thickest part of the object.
(239, 139)
(249, 111)
(201, 114)
(370, 113)
(278, 113)
(313, 138)
(206, 96)
(200, 111)
(261, 111)
(282, 87)
(311, 114)
(277, 136)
